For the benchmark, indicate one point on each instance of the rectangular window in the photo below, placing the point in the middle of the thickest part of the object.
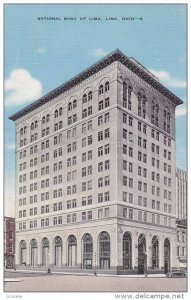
(130, 198)
(125, 118)
(130, 121)
(100, 105)
(107, 165)
(89, 154)
(100, 151)
(145, 202)
(100, 166)
(124, 149)
(139, 156)
(139, 141)
(140, 200)
(125, 196)
(107, 149)
(125, 180)
(106, 102)
(106, 117)
(100, 136)
(124, 165)
(107, 196)
(124, 212)
(100, 213)
(130, 213)
(106, 133)
(140, 215)
(107, 180)
(124, 133)
(144, 128)
(100, 120)
(100, 197)
(130, 152)
(130, 182)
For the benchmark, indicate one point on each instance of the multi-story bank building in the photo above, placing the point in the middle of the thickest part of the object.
(95, 183)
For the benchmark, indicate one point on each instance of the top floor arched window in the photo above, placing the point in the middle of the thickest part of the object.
(60, 111)
(74, 103)
(84, 98)
(43, 119)
(107, 86)
(127, 91)
(90, 96)
(47, 118)
(25, 130)
(154, 113)
(69, 106)
(36, 124)
(101, 89)
(56, 113)
(141, 104)
(166, 120)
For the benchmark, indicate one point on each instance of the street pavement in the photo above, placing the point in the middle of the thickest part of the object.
(93, 283)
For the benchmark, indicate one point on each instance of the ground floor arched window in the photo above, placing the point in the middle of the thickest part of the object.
(104, 250)
(127, 251)
(23, 252)
(87, 246)
(166, 255)
(155, 253)
(141, 254)
(45, 252)
(33, 252)
(58, 251)
(72, 250)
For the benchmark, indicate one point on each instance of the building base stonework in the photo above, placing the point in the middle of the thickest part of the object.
(106, 248)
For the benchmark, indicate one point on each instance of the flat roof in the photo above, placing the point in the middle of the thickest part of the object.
(116, 55)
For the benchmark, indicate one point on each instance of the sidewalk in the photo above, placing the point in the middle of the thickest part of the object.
(87, 274)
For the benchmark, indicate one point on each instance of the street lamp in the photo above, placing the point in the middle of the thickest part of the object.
(14, 262)
(49, 271)
(95, 273)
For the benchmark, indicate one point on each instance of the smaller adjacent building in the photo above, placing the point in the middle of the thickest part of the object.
(181, 194)
(9, 242)
(181, 214)
(182, 243)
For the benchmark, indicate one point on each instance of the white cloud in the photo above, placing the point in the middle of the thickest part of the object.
(21, 87)
(166, 78)
(40, 50)
(98, 53)
(181, 111)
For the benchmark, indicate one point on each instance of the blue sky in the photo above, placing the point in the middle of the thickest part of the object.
(44, 54)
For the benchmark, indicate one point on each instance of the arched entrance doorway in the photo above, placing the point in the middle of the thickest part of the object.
(72, 251)
(142, 257)
(87, 244)
(58, 251)
(23, 253)
(166, 255)
(127, 251)
(155, 252)
(33, 256)
(45, 252)
(104, 250)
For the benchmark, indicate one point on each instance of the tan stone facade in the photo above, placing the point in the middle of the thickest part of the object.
(96, 174)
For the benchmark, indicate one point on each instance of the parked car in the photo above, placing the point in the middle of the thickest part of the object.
(176, 273)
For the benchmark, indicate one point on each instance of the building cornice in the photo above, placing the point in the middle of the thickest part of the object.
(116, 55)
